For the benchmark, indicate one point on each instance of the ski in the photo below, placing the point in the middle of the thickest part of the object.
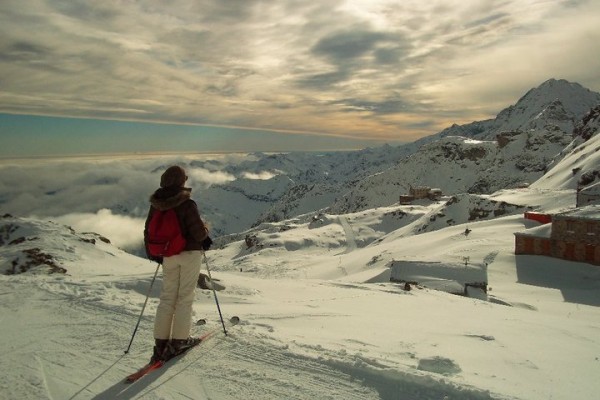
(158, 364)
(143, 371)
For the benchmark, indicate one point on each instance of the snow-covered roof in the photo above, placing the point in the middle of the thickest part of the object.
(593, 189)
(438, 275)
(588, 212)
(543, 231)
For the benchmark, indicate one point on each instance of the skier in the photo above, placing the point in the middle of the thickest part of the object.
(180, 272)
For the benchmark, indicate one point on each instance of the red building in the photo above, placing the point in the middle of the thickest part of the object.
(573, 235)
(543, 218)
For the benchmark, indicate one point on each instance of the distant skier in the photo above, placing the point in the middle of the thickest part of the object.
(180, 272)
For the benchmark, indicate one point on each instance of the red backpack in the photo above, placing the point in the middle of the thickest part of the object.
(164, 234)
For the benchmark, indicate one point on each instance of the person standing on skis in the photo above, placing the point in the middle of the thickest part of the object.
(180, 272)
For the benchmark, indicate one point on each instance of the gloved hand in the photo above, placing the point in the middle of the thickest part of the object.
(206, 243)
(156, 259)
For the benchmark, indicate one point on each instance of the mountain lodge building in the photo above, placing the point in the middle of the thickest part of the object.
(421, 192)
(572, 235)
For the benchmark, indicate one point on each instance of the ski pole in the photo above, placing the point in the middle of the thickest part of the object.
(215, 294)
(143, 308)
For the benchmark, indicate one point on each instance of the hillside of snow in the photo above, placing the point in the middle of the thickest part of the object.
(578, 166)
(320, 318)
(458, 165)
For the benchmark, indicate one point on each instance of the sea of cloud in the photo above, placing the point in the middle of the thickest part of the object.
(122, 230)
(106, 195)
(264, 175)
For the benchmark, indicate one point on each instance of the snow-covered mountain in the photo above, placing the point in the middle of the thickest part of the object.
(238, 191)
(578, 168)
(514, 149)
(459, 165)
(35, 247)
(555, 103)
(320, 317)
(589, 124)
(273, 187)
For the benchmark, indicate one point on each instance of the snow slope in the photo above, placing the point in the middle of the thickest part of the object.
(314, 325)
(568, 173)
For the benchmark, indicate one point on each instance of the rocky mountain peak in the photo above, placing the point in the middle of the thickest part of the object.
(554, 102)
(589, 124)
(573, 97)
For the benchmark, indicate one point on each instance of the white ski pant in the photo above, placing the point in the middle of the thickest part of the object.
(174, 312)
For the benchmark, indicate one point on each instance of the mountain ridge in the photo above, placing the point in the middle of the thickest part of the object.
(235, 192)
(513, 149)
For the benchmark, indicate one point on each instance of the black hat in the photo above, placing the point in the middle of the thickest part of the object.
(174, 176)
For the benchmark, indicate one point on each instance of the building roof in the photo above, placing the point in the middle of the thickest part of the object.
(593, 189)
(543, 231)
(591, 212)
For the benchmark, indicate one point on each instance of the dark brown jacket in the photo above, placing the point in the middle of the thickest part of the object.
(192, 227)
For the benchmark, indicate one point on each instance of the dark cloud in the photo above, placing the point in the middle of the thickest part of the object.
(324, 80)
(575, 3)
(348, 45)
(22, 50)
(230, 11)
(350, 51)
(425, 124)
(487, 19)
(93, 12)
(226, 90)
(391, 106)
(362, 47)
(389, 55)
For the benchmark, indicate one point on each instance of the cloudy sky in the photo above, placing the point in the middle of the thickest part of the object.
(85, 76)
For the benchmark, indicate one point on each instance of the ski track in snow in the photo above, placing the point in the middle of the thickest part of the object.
(353, 377)
(350, 237)
(227, 368)
(44, 378)
(243, 365)
(256, 370)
